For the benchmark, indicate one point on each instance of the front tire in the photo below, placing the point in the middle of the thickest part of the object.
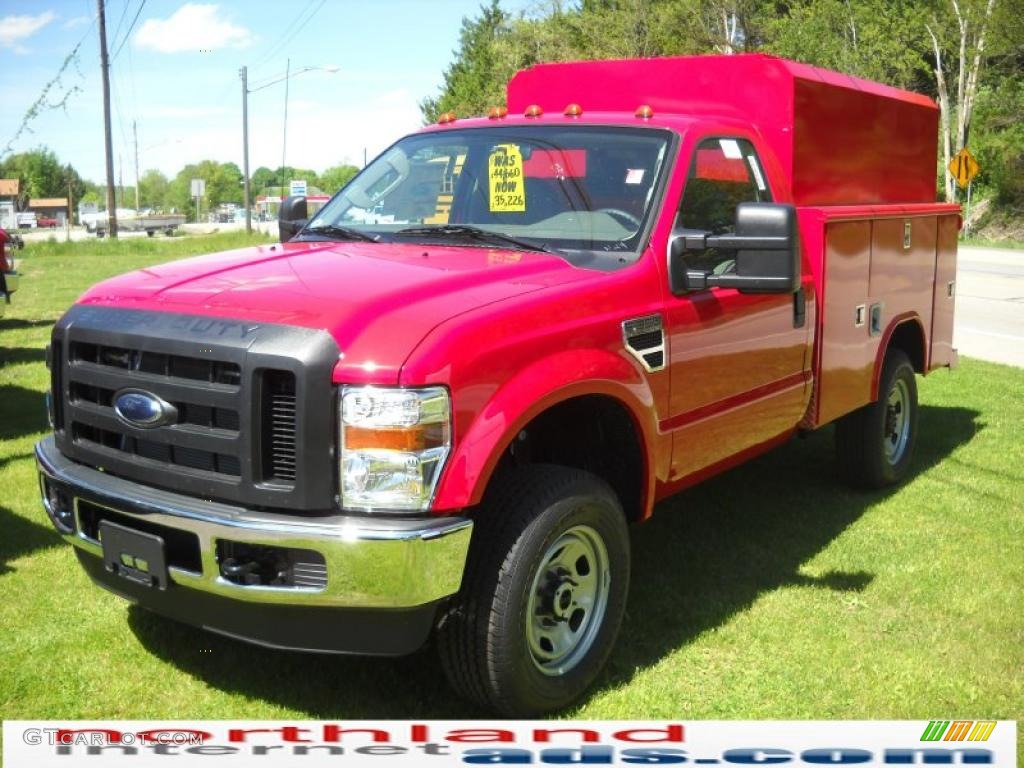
(875, 444)
(543, 593)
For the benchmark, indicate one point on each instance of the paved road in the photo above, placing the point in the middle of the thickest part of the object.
(990, 305)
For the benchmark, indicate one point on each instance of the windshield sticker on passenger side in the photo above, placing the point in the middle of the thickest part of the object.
(505, 179)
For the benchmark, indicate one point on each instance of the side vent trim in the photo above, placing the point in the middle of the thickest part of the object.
(644, 338)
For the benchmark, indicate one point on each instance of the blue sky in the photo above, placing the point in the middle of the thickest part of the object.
(176, 75)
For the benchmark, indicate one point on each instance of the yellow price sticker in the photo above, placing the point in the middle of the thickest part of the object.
(505, 179)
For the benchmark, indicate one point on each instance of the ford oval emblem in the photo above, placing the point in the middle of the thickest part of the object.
(143, 409)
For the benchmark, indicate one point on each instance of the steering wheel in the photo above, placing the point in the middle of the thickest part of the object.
(618, 213)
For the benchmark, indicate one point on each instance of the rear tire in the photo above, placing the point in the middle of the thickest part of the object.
(875, 444)
(543, 593)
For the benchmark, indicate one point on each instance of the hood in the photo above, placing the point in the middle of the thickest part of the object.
(377, 300)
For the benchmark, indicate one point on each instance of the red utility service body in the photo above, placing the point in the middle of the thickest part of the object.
(514, 333)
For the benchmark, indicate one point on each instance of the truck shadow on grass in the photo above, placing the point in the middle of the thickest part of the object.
(22, 537)
(16, 355)
(22, 412)
(707, 555)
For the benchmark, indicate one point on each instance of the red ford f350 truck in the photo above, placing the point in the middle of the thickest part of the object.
(438, 403)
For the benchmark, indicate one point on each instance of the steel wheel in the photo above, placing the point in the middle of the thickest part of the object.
(875, 443)
(567, 600)
(897, 422)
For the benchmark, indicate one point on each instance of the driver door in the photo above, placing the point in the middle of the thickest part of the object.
(738, 362)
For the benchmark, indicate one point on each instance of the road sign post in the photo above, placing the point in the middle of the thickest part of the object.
(198, 190)
(964, 167)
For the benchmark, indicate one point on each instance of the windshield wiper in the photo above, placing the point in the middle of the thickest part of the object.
(339, 233)
(471, 233)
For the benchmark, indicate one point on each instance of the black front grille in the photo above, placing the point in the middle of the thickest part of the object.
(161, 364)
(205, 393)
(162, 453)
(253, 419)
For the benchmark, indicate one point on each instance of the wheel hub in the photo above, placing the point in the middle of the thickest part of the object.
(896, 431)
(568, 600)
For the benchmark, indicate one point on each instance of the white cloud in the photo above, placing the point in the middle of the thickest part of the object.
(14, 29)
(192, 27)
(77, 21)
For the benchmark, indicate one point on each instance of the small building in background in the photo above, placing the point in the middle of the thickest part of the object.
(9, 202)
(50, 209)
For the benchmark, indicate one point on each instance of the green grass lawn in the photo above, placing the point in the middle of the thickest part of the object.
(770, 592)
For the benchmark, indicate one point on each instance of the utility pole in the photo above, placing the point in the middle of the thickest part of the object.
(244, 72)
(284, 140)
(135, 134)
(105, 66)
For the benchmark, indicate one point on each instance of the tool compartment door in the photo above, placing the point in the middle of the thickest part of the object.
(847, 356)
(944, 295)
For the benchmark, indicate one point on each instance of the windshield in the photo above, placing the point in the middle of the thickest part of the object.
(573, 189)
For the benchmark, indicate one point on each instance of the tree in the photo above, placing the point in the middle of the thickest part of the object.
(223, 185)
(957, 74)
(873, 39)
(335, 177)
(473, 81)
(153, 187)
(263, 177)
(998, 142)
(41, 175)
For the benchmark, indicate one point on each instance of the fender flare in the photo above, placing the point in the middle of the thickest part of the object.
(883, 347)
(533, 390)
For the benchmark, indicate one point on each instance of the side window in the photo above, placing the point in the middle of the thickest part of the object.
(724, 172)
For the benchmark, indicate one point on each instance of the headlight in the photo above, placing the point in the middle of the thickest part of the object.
(394, 443)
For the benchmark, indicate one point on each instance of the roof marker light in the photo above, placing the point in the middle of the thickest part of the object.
(496, 113)
(573, 110)
(534, 110)
(644, 111)
(446, 117)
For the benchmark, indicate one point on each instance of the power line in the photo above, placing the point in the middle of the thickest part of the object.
(281, 46)
(287, 29)
(120, 21)
(130, 28)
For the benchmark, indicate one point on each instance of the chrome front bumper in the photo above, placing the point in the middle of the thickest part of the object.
(371, 562)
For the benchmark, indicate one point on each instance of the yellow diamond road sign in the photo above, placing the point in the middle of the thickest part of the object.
(964, 167)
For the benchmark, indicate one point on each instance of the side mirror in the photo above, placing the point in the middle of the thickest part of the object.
(767, 245)
(291, 218)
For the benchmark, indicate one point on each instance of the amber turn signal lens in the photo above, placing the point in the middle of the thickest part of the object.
(644, 111)
(534, 110)
(416, 438)
(573, 110)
